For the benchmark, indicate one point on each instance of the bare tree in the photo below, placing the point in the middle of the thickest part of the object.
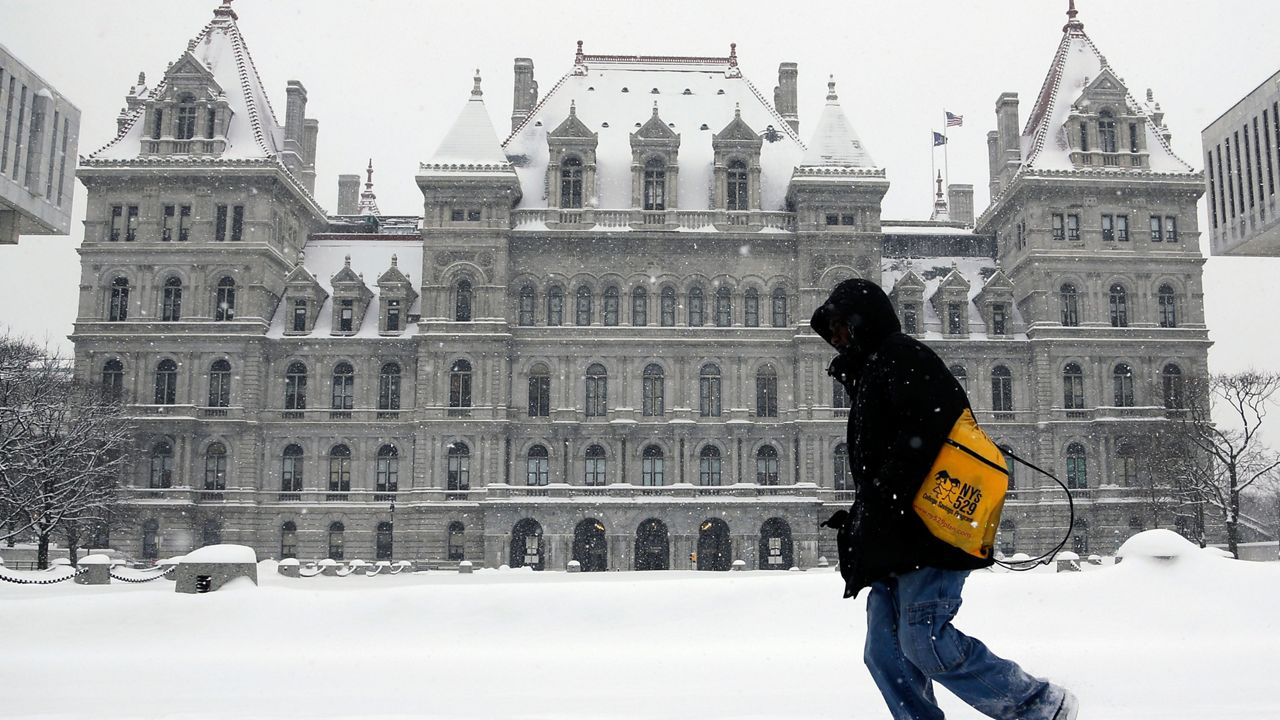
(1228, 458)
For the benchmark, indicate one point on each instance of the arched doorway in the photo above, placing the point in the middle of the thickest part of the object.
(653, 551)
(775, 545)
(715, 551)
(526, 545)
(590, 548)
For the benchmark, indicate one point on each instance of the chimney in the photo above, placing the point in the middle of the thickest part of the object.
(310, 131)
(525, 93)
(1009, 135)
(295, 110)
(960, 198)
(993, 163)
(348, 194)
(784, 95)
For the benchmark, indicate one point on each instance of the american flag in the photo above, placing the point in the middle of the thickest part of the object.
(954, 120)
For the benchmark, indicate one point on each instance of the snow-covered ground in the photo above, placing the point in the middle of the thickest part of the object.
(1192, 639)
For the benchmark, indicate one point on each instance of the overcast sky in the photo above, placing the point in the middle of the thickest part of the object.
(386, 78)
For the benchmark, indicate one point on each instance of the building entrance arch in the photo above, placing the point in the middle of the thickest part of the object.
(527, 546)
(653, 546)
(776, 549)
(715, 550)
(590, 548)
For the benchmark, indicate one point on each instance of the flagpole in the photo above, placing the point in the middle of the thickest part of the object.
(946, 161)
(933, 161)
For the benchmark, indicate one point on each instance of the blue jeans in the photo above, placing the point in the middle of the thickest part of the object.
(911, 643)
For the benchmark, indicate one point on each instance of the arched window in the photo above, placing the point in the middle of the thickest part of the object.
(344, 386)
(288, 540)
(389, 386)
(537, 466)
(654, 390)
(651, 466)
(224, 302)
(1072, 387)
(459, 467)
(1122, 383)
(555, 305)
(668, 302)
(1171, 385)
(462, 301)
(339, 471)
(215, 467)
(697, 306)
(118, 308)
(594, 466)
(336, 531)
(387, 472)
(779, 307)
(738, 195)
(186, 117)
(1077, 471)
(295, 387)
(1168, 301)
(291, 469)
(1001, 389)
(171, 304)
(709, 390)
(961, 375)
(655, 184)
(539, 391)
(582, 306)
(161, 465)
(220, 384)
(528, 301)
(1126, 465)
(1070, 300)
(724, 307)
(1119, 303)
(639, 307)
(611, 310)
(751, 308)
(1106, 131)
(571, 183)
(840, 465)
(456, 536)
(166, 382)
(383, 541)
(597, 390)
(460, 384)
(839, 397)
(767, 465)
(766, 392)
(113, 378)
(709, 466)
(150, 545)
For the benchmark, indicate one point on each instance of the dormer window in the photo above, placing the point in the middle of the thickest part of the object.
(299, 315)
(393, 316)
(186, 128)
(738, 195)
(655, 184)
(346, 315)
(571, 183)
(157, 123)
(1107, 131)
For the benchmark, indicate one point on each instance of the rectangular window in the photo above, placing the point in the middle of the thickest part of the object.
(184, 223)
(1084, 137)
(1222, 195)
(910, 319)
(210, 121)
(1213, 189)
(1021, 229)
(1157, 229)
(157, 124)
(1073, 227)
(1248, 166)
(167, 222)
(539, 396)
(847, 220)
(1266, 140)
(53, 148)
(8, 120)
(131, 223)
(998, 319)
(220, 223)
(473, 215)
(1122, 228)
(237, 223)
(62, 159)
(766, 396)
(1257, 160)
(117, 218)
(1239, 172)
(1133, 137)
(457, 215)
(1171, 228)
(299, 315)
(833, 219)
(346, 315)
(1108, 228)
(639, 309)
(751, 310)
(1059, 227)
(1231, 181)
(955, 316)
(393, 315)
(17, 135)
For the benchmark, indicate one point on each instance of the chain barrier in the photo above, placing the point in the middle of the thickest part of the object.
(28, 581)
(157, 576)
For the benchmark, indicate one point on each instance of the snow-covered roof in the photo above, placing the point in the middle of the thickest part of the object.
(326, 257)
(834, 142)
(933, 271)
(471, 145)
(614, 96)
(220, 49)
(1076, 64)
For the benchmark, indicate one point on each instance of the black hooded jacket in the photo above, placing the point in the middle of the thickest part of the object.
(903, 403)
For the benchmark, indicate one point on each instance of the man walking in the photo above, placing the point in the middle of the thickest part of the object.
(903, 403)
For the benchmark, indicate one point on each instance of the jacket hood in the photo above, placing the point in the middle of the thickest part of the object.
(866, 308)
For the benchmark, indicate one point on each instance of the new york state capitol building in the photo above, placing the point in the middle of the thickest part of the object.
(594, 343)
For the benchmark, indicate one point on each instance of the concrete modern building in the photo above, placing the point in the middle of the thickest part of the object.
(39, 130)
(1242, 161)
(594, 342)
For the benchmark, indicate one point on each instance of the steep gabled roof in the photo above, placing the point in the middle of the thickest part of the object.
(1077, 63)
(655, 129)
(220, 50)
(573, 127)
(737, 130)
(393, 276)
(834, 143)
(471, 144)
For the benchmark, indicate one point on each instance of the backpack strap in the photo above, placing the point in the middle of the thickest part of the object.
(1046, 558)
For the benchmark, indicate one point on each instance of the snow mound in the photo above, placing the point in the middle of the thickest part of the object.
(1214, 551)
(239, 583)
(222, 554)
(1067, 555)
(1160, 543)
(97, 559)
(289, 562)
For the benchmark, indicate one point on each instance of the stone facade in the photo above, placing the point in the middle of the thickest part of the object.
(604, 354)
